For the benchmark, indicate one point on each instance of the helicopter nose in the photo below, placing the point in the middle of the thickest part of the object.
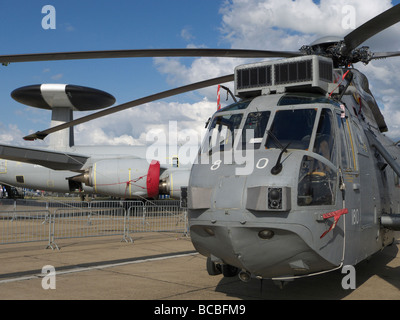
(263, 252)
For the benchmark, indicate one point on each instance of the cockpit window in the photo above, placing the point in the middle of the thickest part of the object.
(324, 140)
(317, 183)
(254, 129)
(317, 179)
(292, 126)
(222, 132)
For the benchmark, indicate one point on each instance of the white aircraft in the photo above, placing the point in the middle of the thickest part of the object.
(124, 172)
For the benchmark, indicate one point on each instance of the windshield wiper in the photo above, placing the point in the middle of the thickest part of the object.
(278, 166)
(275, 140)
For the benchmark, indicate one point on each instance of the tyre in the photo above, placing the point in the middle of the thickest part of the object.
(212, 268)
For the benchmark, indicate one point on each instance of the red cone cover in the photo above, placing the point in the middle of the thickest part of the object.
(153, 177)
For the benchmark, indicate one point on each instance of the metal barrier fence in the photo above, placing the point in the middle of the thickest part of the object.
(28, 221)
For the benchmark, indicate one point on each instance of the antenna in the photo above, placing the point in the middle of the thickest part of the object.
(62, 100)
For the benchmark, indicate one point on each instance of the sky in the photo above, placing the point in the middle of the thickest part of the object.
(111, 25)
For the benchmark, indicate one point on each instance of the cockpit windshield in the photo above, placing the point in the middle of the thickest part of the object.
(254, 129)
(293, 127)
(222, 132)
(240, 129)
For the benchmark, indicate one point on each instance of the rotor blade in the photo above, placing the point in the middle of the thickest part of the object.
(133, 103)
(372, 27)
(383, 55)
(141, 53)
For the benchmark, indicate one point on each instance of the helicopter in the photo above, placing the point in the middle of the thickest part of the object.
(296, 178)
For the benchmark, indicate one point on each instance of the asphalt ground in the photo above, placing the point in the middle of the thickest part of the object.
(164, 267)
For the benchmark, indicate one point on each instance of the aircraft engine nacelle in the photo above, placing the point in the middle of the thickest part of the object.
(172, 182)
(125, 178)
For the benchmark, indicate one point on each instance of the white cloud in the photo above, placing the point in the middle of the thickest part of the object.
(186, 34)
(130, 127)
(287, 24)
(11, 135)
(57, 76)
(69, 27)
(383, 81)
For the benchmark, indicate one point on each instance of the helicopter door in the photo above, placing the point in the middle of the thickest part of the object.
(357, 174)
(369, 191)
(348, 165)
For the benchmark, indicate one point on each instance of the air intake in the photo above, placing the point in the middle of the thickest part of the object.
(308, 73)
(256, 77)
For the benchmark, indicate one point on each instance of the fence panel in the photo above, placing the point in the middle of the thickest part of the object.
(157, 216)
(24, 226)
(90, 222)
(40, 221)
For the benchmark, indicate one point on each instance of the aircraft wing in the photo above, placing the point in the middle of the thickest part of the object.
(55, 160)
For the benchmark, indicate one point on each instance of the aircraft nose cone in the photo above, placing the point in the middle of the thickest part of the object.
(283, 254)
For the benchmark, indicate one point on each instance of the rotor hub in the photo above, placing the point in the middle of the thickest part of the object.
(336, 49)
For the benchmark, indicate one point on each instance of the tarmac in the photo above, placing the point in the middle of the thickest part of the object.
(165, 266)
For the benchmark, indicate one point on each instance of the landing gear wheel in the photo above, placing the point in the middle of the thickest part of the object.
(229, 271)
(213, 269)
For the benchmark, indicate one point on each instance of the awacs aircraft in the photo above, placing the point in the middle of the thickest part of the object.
(297, 177)
(124, 172)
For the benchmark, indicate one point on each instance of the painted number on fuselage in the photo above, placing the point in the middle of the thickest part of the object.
(216, 165)
(262, 163)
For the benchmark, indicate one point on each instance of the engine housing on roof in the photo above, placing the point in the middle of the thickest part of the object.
(308, 73)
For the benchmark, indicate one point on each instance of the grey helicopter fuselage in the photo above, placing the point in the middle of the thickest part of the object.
(288, 184)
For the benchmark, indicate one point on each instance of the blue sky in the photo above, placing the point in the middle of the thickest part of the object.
(106, 25)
